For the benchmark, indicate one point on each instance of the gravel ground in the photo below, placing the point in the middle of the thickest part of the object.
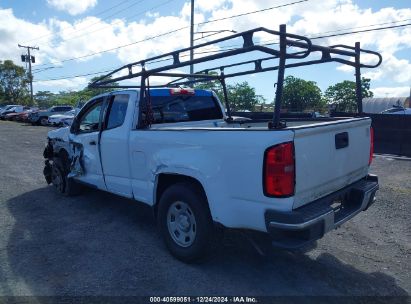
(100, 244)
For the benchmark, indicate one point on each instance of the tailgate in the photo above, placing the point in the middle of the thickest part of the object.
(330, 156)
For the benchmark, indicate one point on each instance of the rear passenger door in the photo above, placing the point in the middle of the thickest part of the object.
(114, 143)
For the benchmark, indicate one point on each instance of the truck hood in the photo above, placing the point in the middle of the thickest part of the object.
(61, 133)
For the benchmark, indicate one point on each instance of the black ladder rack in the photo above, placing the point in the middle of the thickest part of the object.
(301, 46)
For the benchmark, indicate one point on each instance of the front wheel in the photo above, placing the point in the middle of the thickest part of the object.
(60, 181)
(44, 121)
(185, 222)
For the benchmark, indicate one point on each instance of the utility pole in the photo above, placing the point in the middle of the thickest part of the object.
(409, 100)
(30, 59)
(192, 38)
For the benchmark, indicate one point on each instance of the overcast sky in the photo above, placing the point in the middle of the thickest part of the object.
(67, 29)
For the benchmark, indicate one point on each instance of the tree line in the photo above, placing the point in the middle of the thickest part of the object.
(299, 95)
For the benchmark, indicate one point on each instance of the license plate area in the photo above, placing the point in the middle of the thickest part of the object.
(344, 205)
(337, 204)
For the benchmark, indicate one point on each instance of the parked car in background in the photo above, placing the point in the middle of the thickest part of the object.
(11, 109)
(398, 110)
(7, 107)
(23, 116)
(57, 119)
(41, 117)
(66, 122)
(18, 111)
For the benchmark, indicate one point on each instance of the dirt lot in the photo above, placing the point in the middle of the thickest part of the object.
(99, 244)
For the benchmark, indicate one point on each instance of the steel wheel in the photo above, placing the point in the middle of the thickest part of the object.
(181, 224)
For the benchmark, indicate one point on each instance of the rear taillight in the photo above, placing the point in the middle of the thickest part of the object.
(371, 145)
(279, 170)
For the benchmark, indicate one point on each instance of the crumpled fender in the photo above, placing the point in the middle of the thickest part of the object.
(57, 141)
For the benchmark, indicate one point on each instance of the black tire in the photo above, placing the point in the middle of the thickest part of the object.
(61, 183)
(199, 246)
(43, 121)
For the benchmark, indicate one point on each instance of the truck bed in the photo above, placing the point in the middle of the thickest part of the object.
(246, 124)
(330, 153)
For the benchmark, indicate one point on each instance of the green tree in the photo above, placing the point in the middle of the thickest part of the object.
(342, 95)
(74, 97)
(213, 85)
(300, 95)
(88, 92)
(13, 83)
(44, 99)
(68, 98)
(243, 97)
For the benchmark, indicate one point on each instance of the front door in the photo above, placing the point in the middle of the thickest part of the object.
(86, 133)
(114, 143)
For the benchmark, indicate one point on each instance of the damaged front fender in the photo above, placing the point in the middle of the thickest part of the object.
(70, 152)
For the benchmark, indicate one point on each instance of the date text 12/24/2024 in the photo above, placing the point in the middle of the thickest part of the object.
(235, 299)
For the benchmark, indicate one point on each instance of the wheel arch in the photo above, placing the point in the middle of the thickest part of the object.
(63, 154)
(165, 180)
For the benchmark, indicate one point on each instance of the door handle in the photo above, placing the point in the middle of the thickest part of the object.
(93, 142)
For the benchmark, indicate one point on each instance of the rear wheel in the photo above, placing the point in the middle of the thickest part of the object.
(185, 222)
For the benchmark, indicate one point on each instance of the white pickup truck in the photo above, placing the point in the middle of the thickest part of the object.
(198, 170)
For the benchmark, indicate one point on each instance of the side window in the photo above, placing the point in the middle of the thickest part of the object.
(117, 111)
(89, 121)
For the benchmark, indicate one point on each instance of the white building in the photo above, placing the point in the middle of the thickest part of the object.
(377, 105)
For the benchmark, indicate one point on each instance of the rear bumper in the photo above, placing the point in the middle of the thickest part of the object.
(308, 223)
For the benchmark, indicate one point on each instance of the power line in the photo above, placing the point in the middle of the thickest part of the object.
(35, 71)
(110, 8)
(100, 13)
(173, 31)
(107, 26)
(253, 12)
(121, 46)
(358, 27)
(117, 22)
(269, 42)
(362, 31)
(105, 18)
(52, 67)
(232, 47)
(71, 77)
